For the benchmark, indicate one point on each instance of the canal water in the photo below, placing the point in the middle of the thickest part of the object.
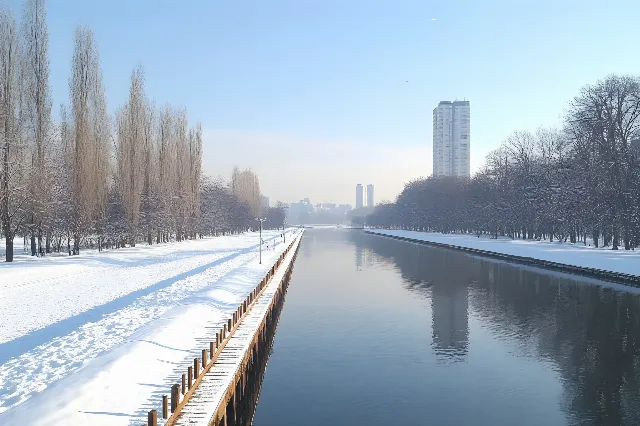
(376, 331)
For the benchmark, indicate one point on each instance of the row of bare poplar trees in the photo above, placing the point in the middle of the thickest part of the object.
(87, 180)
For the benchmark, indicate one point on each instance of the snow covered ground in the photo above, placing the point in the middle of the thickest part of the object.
(96, 339)
(620, 261)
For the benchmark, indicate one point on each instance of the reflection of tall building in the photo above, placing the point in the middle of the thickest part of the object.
(450, 311)
(359, 256)
(368, 258)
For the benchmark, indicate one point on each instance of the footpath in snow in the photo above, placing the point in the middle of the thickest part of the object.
(615, 261)
(97, 339)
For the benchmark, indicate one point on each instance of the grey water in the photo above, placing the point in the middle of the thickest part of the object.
(376, 331)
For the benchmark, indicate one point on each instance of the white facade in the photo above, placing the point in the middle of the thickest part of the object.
(452, 139)
(359, 196)
(370, 202)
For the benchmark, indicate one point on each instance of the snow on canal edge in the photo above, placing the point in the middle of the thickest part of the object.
(619, 261)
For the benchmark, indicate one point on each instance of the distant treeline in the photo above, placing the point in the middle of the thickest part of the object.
(576, 183)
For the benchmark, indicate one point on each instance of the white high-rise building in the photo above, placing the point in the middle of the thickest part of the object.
(451, 139)
(359, 196)
(370, 202)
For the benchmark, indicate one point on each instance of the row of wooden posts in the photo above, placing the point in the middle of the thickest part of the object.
(181, 392)
(233, 410)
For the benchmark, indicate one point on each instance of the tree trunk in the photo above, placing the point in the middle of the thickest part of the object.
(626, 240)
(76, 244)
(149, 238)
(33, 243)
(9, 248)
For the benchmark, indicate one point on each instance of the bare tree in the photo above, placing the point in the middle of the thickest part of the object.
(167, 172)
(13, 172)
(149, 198)
(90, 149)
(246, 186)
(195, 175)
(130, 153)
(37, 113)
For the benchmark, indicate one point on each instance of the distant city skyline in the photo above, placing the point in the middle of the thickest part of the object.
(368, 198)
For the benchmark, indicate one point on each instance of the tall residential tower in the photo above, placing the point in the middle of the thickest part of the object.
(359, 196)
(451, 139)
(370, 195)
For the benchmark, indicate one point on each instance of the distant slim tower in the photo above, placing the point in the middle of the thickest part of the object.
(359, 196)
(370, 195)
(451, 139)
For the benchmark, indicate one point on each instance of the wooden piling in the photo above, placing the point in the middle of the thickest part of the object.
(175, 396)
(165, 407)
(189, 377)
(212, 349)
(205, 357)
(196, 368)
(184, 384)
(152, 418)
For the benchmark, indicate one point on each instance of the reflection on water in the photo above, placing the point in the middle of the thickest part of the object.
(450, 312)
(420, 335)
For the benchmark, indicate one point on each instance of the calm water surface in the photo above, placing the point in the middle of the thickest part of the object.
(376, 331)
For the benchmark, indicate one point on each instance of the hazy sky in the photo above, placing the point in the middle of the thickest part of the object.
(312, 94)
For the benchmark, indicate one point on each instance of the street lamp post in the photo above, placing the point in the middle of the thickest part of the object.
(260, 220)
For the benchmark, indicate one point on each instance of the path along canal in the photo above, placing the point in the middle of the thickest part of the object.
(377, 331)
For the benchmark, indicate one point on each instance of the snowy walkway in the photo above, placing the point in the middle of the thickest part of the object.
(208, 396)
(96, 339)
(620, 261)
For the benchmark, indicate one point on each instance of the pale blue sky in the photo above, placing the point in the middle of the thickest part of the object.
(313, 95)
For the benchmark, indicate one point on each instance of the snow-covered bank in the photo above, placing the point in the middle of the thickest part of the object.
(209, 400)
(578, 255)
(134, 321)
